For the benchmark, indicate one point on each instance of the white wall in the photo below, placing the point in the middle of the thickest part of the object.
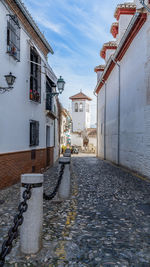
(123, 24)
(112, 116)
(133, 104)
(135, 107)
(100, 122)
(99, 74)
(80, 120)
(109, 52)
(16, 110)
(76, 140)
(93, 141)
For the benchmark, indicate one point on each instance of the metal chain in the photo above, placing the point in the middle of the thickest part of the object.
(53, 194)
(18, 220)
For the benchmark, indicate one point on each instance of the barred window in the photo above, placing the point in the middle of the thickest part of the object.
(76, 107)
(13, 37)
(34, 133)
(81, 107)
(35, 76)
(49, 98)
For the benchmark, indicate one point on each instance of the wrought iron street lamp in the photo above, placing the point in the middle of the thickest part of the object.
(60, 86)
(10, 79)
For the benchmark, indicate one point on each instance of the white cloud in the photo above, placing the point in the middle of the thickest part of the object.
(48, 24)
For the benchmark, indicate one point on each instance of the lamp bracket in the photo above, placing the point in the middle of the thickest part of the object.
(5, 89)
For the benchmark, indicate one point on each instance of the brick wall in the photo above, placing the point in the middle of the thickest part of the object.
(12, 165)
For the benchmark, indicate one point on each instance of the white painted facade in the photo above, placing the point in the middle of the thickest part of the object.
(81, 119)
(16, 109)
(128, 145)
(76, 140)
(65, 128)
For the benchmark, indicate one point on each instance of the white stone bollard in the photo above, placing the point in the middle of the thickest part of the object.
(31, 229)
(64, 188)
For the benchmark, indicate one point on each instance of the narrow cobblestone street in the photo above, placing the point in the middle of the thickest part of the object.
(105, 223)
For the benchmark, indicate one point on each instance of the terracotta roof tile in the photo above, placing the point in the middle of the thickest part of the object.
(80, 96)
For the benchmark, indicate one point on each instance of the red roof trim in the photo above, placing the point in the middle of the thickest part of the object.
(114, 30)
(137, 26)
(80, 96)
(83, 99)
(99, 69)
(124, 11)
(103, 51)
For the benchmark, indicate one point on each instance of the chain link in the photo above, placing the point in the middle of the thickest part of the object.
(13, 231)
(53, 194)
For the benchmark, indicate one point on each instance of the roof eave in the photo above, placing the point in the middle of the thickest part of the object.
(131, 24)
(33, 24)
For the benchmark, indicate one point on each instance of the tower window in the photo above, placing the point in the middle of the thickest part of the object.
(76, 107)
(81, 107)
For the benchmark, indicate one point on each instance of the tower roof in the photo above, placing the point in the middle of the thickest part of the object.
(80, 96)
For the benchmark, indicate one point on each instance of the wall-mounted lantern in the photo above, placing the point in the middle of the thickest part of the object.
(60, 86)
(10, 79)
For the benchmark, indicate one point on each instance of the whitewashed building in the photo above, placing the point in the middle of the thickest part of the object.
(28, 112)
(65, 128)
(123, 90)
(81, 121)
(80, 112)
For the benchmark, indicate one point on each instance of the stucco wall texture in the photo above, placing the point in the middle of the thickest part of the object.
(134, 137)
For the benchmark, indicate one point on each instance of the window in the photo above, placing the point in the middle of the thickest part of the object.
(76, 107)
(13, 37)
(81, 107)
(35, 76)
(34, 133)
(49, 98)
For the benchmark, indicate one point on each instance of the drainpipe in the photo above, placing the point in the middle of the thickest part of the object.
(97, 125)
(119, 86)
(103, 81)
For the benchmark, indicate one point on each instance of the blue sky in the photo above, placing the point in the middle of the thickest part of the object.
(76, 30)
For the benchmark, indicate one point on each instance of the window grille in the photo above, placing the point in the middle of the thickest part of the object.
(13, 37)
(35, 76)
(34, 133)
(49, 98)
(81, 107)
(76, 107)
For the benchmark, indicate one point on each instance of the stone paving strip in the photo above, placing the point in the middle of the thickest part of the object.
(104, 223)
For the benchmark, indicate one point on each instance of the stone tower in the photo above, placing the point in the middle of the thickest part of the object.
(80, 112)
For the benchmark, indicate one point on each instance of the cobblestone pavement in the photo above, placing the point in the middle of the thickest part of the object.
(105, 223)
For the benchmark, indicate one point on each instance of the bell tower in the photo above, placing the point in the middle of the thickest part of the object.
(81, 112)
